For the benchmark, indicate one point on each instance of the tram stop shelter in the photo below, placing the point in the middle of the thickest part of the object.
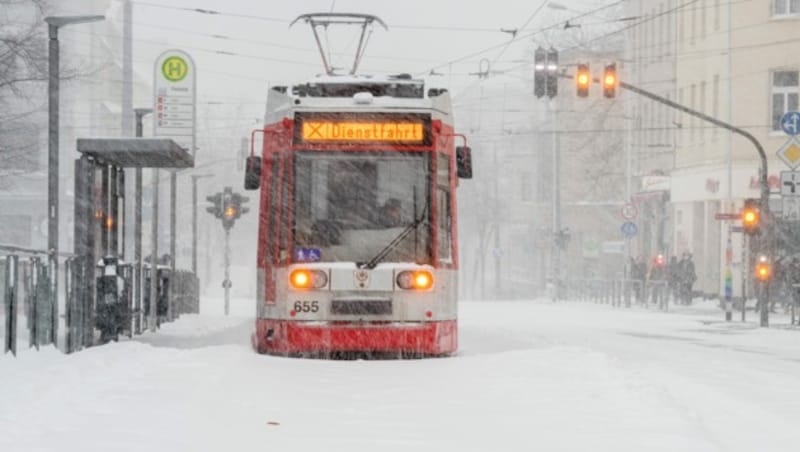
(100, 212)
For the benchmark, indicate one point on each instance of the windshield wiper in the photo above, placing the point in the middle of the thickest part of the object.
(372, 263)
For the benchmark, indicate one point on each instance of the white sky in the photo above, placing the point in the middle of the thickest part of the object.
(269, 52)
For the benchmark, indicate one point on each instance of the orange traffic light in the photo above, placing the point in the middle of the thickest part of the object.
(751, 217)
(610, 81)
(230, 212)
(583, 79)
(763, 271)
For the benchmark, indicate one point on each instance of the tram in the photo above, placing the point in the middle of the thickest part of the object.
(357, 237)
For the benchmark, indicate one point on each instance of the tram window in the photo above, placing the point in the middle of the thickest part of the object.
(444, 221)
(272, 236)
(284, 222)
(351, 205)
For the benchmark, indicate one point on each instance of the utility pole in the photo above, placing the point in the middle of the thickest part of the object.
(154, 256)
(195, 178)
(137, 228)
(127, 68)
(556, 250)
(227, 283)
(173, 191)
(54, 62)
(228, 207)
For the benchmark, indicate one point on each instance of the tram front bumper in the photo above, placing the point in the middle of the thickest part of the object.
(297, 337)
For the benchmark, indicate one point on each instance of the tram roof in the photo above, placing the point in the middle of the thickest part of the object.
(358, 93)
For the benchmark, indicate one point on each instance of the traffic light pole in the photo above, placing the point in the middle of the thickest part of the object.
(768, 223)
(767, 232)
(762, 177)
(227, 283)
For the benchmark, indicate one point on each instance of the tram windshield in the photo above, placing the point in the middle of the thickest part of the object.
(349, 206)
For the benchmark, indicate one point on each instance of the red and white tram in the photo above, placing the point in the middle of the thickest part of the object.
(357, 238)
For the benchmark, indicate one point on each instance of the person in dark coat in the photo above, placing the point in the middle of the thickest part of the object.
(687, 278)
(673, 279)
(638, 274)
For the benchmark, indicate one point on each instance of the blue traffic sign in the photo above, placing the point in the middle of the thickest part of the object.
(629, 229)
(790, 123)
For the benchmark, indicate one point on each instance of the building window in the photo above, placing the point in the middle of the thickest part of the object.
(786, 7)
(785, 91)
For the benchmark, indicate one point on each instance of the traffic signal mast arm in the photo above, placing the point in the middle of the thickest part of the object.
(762, 176)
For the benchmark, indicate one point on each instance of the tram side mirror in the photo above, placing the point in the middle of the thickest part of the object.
(464, 162)
(252, 173)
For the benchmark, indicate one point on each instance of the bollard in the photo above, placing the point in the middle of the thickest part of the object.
(68, 306)
(11, 304)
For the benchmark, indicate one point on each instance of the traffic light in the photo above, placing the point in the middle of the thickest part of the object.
(659, 260)
(583, 79)
(610, 81)
(562, 238)
(539, 69)
(763, 269)
(545, 72)
(216, 205)
(232, 208)
(227, 206)
(751, 216)
(552, 73)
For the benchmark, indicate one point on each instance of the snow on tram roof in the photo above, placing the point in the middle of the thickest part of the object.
(357, 92)
(367, 78)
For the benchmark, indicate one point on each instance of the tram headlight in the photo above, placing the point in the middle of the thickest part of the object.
(416, 280)
(308, 279)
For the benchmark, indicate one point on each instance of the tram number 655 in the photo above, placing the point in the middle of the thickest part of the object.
(306, 306)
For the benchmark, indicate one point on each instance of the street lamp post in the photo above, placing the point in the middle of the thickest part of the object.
(53, 24)
(195, 177)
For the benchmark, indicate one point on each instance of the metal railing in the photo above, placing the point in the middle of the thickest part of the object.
(26, 299)
(619, 292)
(25, 289)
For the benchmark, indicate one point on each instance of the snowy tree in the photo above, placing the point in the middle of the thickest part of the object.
(23, 73)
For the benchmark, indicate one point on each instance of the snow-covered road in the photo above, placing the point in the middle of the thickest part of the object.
(529, 376)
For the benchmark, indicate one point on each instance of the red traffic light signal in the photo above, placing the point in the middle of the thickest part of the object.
(582, 80)
(610, 81)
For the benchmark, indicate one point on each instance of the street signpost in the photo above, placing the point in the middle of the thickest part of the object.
(790, 123)
(612, 247)
(629, 211)
(175, 98)
(791, 208)
(789, 153)
(629, 229)
(175, 113)
(790, 183)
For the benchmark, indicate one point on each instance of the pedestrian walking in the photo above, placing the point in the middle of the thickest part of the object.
(687, 278)
(673, 279)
